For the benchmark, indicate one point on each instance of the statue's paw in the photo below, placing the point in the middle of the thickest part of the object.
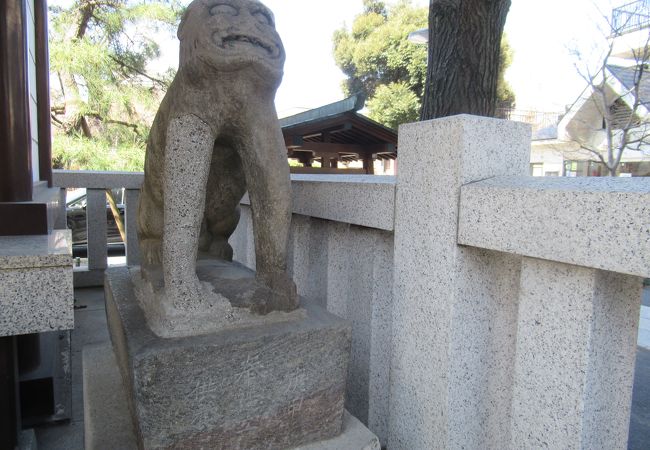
(279, 294)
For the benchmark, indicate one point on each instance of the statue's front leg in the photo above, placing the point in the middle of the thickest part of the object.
(264, 159)
(187, 163)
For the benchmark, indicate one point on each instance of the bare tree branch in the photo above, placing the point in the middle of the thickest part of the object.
(162, 83)
(622, 127)
(123, 123)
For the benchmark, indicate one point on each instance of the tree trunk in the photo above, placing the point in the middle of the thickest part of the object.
(464, 48)
(86, 14)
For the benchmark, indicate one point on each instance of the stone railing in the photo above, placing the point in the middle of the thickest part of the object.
(489, 309)
(96, 184)
(341, 256)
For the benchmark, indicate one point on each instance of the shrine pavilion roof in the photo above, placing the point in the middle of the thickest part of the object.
(339, 123)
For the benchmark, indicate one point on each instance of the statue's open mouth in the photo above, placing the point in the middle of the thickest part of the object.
(232, 40)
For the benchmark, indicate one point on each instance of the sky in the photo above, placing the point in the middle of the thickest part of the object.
(542, 34)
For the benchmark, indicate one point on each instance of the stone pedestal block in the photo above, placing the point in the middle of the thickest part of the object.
(275, 385)
(36, 283)
(106, 415)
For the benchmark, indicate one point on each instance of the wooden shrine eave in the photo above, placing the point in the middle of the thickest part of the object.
(333, 148)
(337, 133)
(348, 128)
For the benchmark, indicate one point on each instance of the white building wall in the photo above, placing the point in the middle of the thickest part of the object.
(546, 159)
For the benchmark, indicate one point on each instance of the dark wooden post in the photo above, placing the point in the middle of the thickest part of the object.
(43, 92)
(325, 162)
(9, 407)
(325, 158)
(305, 159)
(15, 179)
(15, 137)
(368, 164)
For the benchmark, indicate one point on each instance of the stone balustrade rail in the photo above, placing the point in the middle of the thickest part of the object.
(96, 184)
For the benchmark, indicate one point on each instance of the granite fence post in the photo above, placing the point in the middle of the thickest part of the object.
(132, 245)
(61, 222)
(576, 346)
(455, 309)
(96, 225)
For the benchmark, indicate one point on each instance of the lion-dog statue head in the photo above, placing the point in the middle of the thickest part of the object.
(232, 35)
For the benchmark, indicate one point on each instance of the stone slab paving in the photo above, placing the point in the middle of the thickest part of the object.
(90, 328)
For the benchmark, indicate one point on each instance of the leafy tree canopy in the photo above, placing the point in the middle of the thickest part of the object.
(381, 63)
(103, 92)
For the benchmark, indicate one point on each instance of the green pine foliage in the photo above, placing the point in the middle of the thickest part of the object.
(382, 64)
(394, 104)
(79, 153)
(103, 94)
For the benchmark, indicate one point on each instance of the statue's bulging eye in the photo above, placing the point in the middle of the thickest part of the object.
(224, 9)
(262, 18)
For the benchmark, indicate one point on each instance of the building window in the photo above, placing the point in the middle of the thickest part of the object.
(537, 169)
(583, 169)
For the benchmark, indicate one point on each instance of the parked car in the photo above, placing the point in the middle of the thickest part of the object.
(76, 219)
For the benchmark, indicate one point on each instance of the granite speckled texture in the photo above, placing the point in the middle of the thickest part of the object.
(576, 344)
(483, 355)
(216, 135)
(97, 227)
(358, 288)
(36, 283)
(106, 416)
(366, 200)
(226, 304)
(348, 270)
(92, 179)
(51, 250)
(276, 385)
(132, 244)
(597, 222)
(107, 422)
(439, 397)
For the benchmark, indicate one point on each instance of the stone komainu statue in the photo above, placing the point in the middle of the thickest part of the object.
(215, 136)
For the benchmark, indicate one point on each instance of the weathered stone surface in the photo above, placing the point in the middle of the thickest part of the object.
(365, 200)
(231, 299)
(106, 415)
(36, 283)
(276, 385)
(107, 423)
(215, 136)
(348, 270)
(585, 221)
